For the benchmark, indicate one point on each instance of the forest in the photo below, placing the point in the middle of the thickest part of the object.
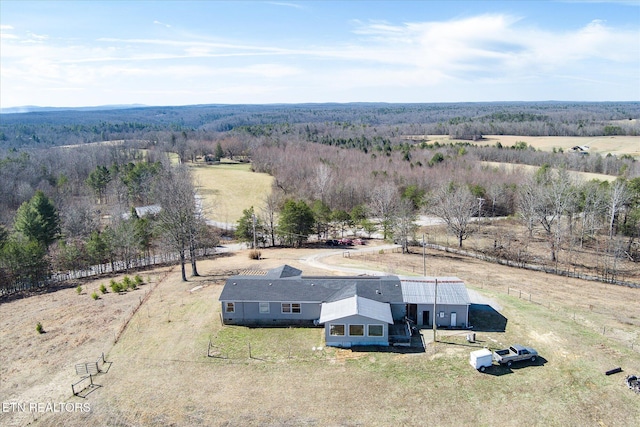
(70, 180)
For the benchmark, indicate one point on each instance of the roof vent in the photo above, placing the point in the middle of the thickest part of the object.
(234, 283)
(270, 284)
(378, 291)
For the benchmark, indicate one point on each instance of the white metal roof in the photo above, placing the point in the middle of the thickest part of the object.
(355, 305)
(421, 290)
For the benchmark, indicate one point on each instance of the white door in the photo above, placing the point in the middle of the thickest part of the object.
(453, 319)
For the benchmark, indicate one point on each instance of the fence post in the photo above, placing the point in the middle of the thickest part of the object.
(250, 350)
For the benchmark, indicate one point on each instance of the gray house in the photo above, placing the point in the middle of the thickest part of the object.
(354, 310)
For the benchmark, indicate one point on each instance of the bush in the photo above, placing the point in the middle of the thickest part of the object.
(138, 280)
(115, 286)
(103, 288)
(95, 296)
(127, 282)
(39, 328)
(79, 290)
(255, 254)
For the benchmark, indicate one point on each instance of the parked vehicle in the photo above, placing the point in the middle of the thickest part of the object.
(515, 353)
(345, 242)
(332, 242)
(481, 359)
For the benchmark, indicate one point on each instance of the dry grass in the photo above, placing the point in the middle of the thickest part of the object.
(161, 375)
(603, 145)
(228, 189)
(529, 169)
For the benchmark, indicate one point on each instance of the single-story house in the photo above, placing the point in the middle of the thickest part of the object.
(354, 310)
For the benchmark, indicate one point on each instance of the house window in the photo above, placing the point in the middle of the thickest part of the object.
(264, 307)
(290, 307)
(230, 307)
(376, 330)
(356, 330)
(336, 330)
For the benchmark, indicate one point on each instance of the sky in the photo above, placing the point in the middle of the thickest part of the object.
(93, 53)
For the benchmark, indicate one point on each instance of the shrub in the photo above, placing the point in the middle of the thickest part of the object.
(103, 288)
(126, 282)
(115, 286)
(39, 328)
(255, 254)
(138, 280)
(95, 296)
(79, 290)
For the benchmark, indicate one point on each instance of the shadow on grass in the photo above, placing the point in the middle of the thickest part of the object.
(499, 370)
(417, 346)
(108, 366)
(485, 318)
(88, 390)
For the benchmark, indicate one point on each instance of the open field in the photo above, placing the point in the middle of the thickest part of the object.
(228, 189)
(603, 145)
(529, 169)
(160, 373)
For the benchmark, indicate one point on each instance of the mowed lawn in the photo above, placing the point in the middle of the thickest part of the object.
(228, 189)
(161, 374)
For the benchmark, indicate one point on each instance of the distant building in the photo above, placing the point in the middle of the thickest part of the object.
(356, 310)
(580, 149)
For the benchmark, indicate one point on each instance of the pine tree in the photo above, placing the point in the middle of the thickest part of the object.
(38, 220)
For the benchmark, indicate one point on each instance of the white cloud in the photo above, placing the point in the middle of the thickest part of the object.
(491, 55)
(162, 24)
(292, 5)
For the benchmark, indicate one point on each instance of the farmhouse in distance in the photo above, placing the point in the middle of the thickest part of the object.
(354, 310)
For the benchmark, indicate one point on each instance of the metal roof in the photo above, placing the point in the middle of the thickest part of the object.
(421, 290)
(355, 305)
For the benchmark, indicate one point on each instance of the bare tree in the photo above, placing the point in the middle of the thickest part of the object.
(455, 205)
(179, 221)
(405, 226)
(618, 197)
(270, 215)
(384, 205)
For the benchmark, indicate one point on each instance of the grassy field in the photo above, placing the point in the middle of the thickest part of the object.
(603, 145)
(228, 189)
(160, 373)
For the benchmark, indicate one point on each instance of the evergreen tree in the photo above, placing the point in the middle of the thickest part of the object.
(219, 153)
(38, 220)
(296, 222)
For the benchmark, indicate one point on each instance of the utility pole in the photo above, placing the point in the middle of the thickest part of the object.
(424, 259)
(435, 300)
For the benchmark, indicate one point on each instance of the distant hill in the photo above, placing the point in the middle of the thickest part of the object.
(37, 109)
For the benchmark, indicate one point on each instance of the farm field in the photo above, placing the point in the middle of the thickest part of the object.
(618, 145)
(518, 168)
(228, 189)
(160, 374)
